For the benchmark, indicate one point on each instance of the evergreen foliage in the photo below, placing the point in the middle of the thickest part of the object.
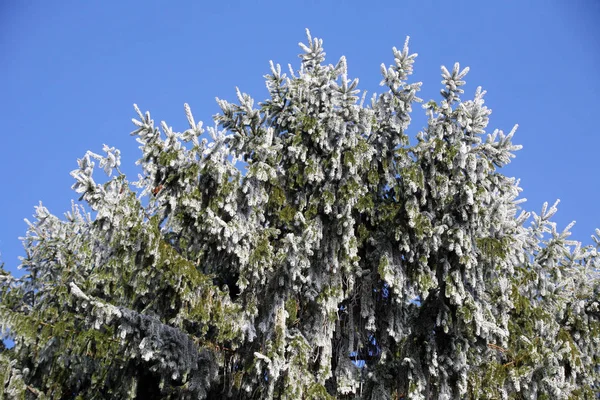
(342, 263)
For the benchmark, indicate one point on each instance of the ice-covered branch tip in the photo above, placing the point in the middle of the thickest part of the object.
(313, 54)
(75, 291)
(109, 309)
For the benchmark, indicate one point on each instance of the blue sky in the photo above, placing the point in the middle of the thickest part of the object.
(71, 71)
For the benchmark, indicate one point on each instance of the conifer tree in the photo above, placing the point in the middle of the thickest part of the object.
(306, 251)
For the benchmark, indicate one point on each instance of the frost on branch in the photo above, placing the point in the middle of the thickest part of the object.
(300, 247)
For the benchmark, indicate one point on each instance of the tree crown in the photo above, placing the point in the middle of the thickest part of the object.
(339, 262)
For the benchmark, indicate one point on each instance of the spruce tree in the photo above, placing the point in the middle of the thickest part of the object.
(306, 251)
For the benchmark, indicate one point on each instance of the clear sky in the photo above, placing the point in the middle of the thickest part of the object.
(71, 70)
